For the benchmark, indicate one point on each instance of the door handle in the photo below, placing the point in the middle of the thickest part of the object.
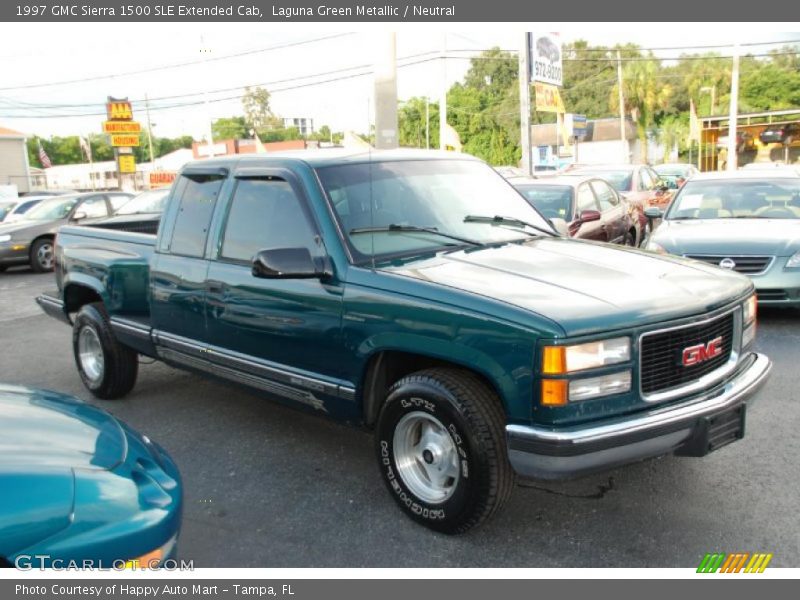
(215, 287)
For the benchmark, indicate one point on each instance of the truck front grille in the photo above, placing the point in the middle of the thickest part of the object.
(747, 265)
(662, 352)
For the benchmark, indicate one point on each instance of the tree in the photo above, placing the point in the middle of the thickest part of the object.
(258, 114)
(411, 123)
(228, 128)
(644, 96)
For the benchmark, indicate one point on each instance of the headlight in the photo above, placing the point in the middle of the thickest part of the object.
(558, 360)
(794, 261)
(5, 238)
(653, 247)
(749, 310)
(605, 385)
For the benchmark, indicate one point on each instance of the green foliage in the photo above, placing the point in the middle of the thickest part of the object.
(229, 128)
(258, 114)
(66, 150)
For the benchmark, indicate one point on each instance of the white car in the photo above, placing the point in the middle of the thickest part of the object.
(18, 210)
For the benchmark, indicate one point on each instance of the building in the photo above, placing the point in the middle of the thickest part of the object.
(103, 175)
(14, 167)
(303, 124)
(249, 146)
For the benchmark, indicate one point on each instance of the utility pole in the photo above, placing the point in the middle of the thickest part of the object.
(525, 104)
(443, 97)
(149, 133)
(427, 123)
(210, 134)
(623, 142)
(733, 117)
(386, 93)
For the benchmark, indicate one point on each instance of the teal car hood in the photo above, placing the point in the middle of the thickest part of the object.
(773, 237)
(41, 429)
(584, 287)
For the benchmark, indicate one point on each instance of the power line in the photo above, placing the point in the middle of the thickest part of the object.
(176, 65)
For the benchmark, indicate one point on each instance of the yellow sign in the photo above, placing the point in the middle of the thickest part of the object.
(548, 98)
(125, 140)
(127, 163)
(122, 127)
(119, 110)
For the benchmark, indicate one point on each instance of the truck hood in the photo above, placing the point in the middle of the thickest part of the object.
(47, 430)
(584, 287)
(774, 237)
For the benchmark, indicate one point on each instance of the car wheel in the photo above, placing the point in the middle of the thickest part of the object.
(630, 238)
(43, 255)
(107, 368)
(440, 442)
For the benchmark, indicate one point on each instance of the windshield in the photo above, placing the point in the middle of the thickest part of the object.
(436, 194)
(671, 170)
(553, 201)
(740, 198)
(620, 180)
(48, 210)
(147, 202)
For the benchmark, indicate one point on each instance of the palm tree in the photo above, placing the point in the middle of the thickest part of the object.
(644, 96)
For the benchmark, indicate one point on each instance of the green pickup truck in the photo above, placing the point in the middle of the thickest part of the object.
(418, 295)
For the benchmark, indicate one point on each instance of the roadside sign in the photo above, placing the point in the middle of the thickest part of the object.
(546, 59)
(119, 110)
(125, 140)
(126, 163)
(159, 179)
(111, 127)
(548, 98)
(576, 125)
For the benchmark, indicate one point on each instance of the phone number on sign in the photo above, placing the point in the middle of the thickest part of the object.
(547, 70)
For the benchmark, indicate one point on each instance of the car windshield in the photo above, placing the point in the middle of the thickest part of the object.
(432, 194)
(671, 170)
(738, 199)
(147, 202)
(5, 208)
(620, 179)
(553, 201)
(49, 210)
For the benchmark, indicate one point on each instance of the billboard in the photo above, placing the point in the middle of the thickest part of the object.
(546, 59)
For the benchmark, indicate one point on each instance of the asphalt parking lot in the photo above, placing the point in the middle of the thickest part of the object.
(266, 486)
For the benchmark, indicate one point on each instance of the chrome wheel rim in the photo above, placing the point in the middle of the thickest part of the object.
(426, 457)
(90, 354)
(45, 256)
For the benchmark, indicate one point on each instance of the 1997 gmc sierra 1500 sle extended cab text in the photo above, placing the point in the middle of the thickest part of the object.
(419, 295)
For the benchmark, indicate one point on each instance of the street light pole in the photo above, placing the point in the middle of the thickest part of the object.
(623, 142)
(733, 117)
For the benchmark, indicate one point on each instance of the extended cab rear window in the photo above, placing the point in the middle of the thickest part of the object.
(197, 194)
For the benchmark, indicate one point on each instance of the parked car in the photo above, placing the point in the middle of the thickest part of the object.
(589, 206)
(16, 212)
(30, 240)
(780, 134)
(79, 485)
(43, 193)
(675, 174)
(141, 214)
(419, 295)
(639, 184)
(745, 221)
(744, 140)
(6, 206)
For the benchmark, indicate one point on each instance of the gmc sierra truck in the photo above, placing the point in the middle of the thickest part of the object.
(418, 295)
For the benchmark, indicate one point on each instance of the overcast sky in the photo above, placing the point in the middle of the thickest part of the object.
(47, 53)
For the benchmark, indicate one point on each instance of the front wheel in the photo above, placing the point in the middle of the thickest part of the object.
(441, 449)
(42, 255)
(107, 368)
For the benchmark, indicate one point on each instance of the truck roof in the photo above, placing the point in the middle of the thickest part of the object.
(333, 156)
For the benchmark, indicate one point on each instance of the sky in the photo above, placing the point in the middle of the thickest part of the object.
(90, 61)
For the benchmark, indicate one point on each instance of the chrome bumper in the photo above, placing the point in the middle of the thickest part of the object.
(548, 453)
(52, 305)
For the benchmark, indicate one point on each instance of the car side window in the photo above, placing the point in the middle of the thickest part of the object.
(265, 213)
(648, 183)
(118, 200)
(605, 195)
(93, 207)
(585, 199)
(198, 195)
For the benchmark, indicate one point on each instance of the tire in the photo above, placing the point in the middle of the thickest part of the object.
(43, 255)
(630, 238)
(107, 368)
(464, 424)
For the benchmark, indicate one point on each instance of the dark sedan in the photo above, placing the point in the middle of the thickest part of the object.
(30, 240)
(780, 134)
(589, 206)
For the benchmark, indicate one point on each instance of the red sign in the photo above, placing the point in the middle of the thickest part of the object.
(160, 179)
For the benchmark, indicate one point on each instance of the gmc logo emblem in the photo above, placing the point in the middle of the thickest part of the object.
(694, 355)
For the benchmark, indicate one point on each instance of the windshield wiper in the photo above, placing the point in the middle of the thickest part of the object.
(414, 229)
(501, 220)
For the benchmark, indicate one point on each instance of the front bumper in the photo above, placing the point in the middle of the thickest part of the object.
(548, 453)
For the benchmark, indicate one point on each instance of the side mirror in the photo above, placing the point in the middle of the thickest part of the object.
(653, 212)
(288, 263)
(587, 216)
(560, 225)
(79, 216)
